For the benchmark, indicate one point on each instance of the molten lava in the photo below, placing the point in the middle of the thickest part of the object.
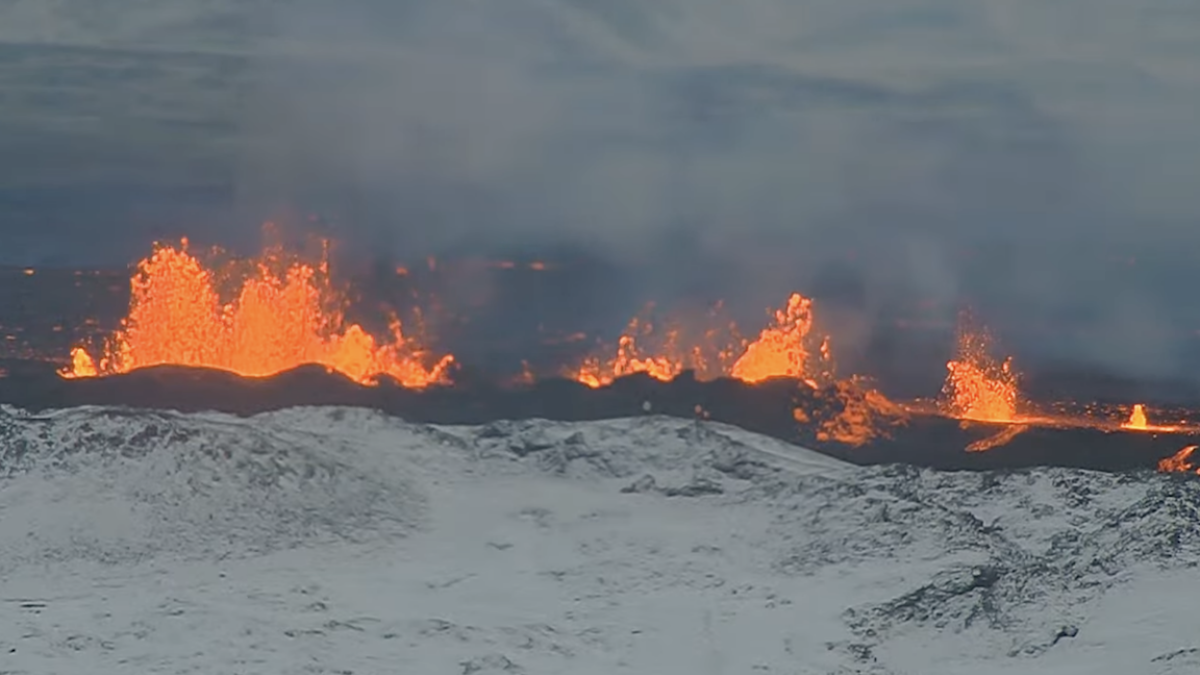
(284, 313)
(275, 312)
(783, 349)
(630, 358)
(82, 364)
(853, 414)
(1180, 462)
(846, 412)
(978, 387)
(1137, 419)
(1002, 437)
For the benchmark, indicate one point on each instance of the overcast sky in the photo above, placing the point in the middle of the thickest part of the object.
(1021, 151)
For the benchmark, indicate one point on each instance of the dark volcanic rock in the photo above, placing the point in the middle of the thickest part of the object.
(764, 408)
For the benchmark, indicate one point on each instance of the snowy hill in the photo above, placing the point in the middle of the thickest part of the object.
(343, 541)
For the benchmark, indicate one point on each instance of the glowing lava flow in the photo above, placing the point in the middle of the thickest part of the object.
(853, 413)
(284, 314)
(1002, 437)
(629, 359)
(848, 412)
(1180, 462)
(782, 349)
(1137, 419)
(978, 388)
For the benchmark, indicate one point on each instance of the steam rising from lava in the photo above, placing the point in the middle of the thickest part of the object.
(272, 313)
(284, 312)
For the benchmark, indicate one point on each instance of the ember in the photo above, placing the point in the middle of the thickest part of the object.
(285, 313)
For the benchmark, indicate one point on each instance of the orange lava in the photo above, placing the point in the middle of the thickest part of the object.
(630, 358)
(284, 313)
(1180, 462)
(854, 414)
(978, 387)
(1137, 419)
(842, 411)
(1002, 437)
(82, 364)
(276, 312)
(782, 349)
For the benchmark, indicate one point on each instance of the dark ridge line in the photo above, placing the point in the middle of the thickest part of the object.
(766, 408)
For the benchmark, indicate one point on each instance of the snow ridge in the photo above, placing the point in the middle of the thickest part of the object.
(120, 485)
(530, 546)
(1011, 557)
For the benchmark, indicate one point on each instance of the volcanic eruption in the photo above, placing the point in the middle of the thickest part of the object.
(281, 312)
(1137, 418)
(786, 347)
(262, 316)
(978, 386)
(1181, 462)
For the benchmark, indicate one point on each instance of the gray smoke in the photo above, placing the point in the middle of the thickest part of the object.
(1016, 154)
(938, 150)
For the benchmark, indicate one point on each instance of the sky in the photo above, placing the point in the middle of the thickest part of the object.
(1038, 157)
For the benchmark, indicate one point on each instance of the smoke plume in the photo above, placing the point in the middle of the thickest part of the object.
(1034, 159)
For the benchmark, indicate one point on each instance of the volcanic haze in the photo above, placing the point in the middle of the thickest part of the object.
(1008, 153)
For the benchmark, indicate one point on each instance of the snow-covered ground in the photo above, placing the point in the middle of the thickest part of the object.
(343, 541)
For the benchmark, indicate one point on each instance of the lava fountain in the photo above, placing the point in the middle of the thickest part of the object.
(782, 348)
(786, 347)
(631, 357)
(1137, 419)
(978, 387)
(283, 313)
